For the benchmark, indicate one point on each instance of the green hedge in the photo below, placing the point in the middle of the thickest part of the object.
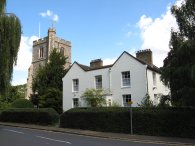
(179, 122)
(42, 116)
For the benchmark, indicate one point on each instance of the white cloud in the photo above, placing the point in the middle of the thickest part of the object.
(25, 53)
(155, 34)
(55, 18)
(24, 60)
(50, 14)
(109, 61)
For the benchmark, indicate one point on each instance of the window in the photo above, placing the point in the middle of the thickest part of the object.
(126, 99)
(75, 102)
(41, 52)
(126, 79)
(62, 50)
(109, 102)
(98, 82)
(154, 79)
(155, 99)
(75, 85)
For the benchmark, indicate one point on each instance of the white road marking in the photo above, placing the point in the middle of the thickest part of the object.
(13, 131)
(53, 139)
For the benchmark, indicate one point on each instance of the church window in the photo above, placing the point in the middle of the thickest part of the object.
(62, 50)
(41, 52)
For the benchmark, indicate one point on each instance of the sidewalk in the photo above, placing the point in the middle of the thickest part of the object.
(172, 141)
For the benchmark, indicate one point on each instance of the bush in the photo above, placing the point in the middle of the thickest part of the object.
(43, 116)
(178, 122)
(22, 103)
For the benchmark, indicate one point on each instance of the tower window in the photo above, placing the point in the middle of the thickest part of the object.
(41, 52)
(62, 50)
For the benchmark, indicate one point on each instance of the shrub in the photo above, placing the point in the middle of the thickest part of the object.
(43, 116)
(22, 103)
(178, 122)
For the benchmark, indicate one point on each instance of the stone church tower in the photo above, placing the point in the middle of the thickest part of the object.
(41, 51)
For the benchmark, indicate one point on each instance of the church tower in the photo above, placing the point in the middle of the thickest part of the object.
(41, 50)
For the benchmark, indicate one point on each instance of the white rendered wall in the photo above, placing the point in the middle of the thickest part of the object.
(160, 88)
(137, 76)
(86, 80)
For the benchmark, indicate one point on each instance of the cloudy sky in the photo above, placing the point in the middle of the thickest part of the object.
(97, 28)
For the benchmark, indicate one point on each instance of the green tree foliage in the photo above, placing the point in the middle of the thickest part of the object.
(94, 97)
(179, 66)
(164, 101)
(48, 81)
(146, 102)
(22, 103)
(17, 92)
(52, 98)
(10, 35)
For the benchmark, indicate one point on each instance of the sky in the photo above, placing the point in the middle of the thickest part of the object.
(96, 28)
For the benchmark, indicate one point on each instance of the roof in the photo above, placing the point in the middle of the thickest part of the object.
(88, 68)
(153, 67)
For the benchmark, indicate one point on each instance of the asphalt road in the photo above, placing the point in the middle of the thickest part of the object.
(13, 136)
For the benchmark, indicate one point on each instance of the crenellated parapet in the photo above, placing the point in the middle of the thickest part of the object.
(40, 41)
(68, 43)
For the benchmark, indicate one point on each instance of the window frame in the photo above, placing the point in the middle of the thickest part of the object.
(125, 81)
(98, 83)
(126, 98)
(75, 85)
(154, 79)
(75, 102)
(41, 52)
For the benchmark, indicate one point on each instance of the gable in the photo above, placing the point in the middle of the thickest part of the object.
(127, 59)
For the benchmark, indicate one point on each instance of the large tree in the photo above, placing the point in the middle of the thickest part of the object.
(48, 82)
(10, 35)
(179, 66)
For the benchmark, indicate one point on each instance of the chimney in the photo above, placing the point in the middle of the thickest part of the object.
(96, 63)
(145, 56)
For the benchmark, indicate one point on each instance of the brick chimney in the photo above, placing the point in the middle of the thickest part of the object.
(96, 63)
(145, 56)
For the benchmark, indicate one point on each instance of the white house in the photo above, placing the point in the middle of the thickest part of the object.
(128, 79)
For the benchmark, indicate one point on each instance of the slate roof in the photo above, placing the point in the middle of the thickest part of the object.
(88, 68)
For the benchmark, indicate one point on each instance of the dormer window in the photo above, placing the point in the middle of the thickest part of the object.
(41, 52)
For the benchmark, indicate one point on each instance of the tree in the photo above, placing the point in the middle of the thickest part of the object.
(94, 97)
(178, 71)
(146, 102)
(164, 101)
(10, 35)
(49, 78)
(16, 92)
(53, 99)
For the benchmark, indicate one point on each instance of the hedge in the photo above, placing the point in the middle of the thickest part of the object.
(175, 122)
(42, 116)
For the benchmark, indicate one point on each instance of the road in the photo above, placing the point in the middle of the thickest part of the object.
(14, 136)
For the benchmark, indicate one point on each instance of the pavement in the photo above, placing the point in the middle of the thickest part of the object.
(172, 141)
